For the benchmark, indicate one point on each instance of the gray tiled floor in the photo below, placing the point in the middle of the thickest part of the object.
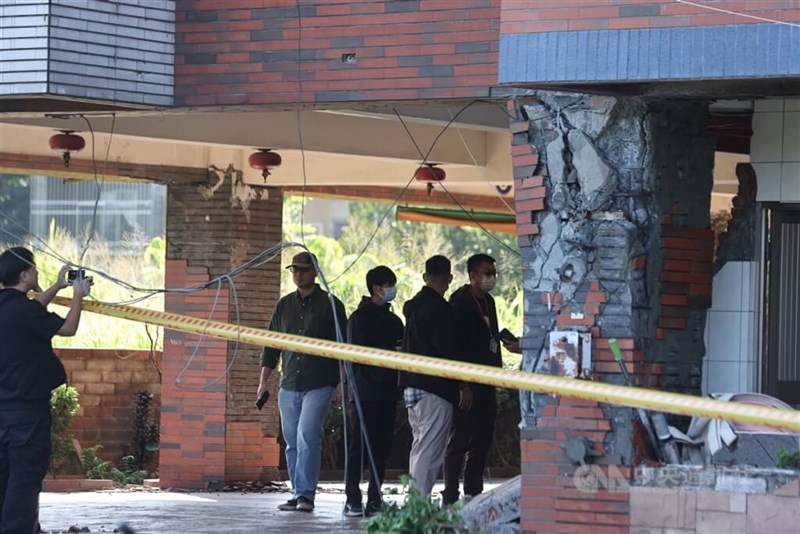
(168, 512)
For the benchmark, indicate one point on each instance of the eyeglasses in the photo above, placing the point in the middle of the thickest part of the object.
(299, 270)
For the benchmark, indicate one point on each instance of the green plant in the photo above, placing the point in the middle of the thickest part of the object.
(419, 514)
(128, 473)
(333, 437)
(787, 460)
(505, 450)
(64, 404)
(94, 466)
(145, 429)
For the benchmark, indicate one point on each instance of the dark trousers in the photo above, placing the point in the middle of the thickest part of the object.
(24, 458)
(379, 422)
(471, 437)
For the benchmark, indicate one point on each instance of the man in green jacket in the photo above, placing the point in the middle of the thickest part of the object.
(307, 382)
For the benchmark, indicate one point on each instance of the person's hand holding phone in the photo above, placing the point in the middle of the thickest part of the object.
(510, 341)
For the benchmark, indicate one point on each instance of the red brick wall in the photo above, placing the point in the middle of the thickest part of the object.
(558, 496)
(107, 381)
(552, 498)
(686, 274)
(193, 413)
(241, 52)
(212, 433)
(524, 16)
(529, 190)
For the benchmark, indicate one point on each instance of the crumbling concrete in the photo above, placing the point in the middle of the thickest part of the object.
(738, 243)
(496, 511)
(615, 170)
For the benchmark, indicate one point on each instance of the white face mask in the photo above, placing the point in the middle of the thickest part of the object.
(488, 282)
(389, 293)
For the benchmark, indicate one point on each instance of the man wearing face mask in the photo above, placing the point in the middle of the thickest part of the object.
(372, 325)
(472, 430)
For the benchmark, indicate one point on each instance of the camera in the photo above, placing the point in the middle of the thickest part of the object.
(74, 274)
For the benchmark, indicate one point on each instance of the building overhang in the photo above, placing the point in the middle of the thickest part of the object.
(364, 147)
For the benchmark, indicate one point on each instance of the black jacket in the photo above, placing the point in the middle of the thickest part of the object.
(374, 326)
(476, 335)
(431, 331)
(28, 368)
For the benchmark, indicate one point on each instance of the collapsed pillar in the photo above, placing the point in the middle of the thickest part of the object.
(613, 198)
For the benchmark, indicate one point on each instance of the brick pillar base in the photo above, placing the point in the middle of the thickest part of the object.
(560, 496)
(192, 449)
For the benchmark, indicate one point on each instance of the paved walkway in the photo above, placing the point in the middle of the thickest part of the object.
(156, 512)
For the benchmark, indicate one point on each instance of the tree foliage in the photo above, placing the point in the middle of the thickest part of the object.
(404, 247)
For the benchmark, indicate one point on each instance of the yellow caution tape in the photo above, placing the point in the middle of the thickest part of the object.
(482, 374)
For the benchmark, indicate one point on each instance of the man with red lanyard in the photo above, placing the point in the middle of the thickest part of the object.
(472, 430)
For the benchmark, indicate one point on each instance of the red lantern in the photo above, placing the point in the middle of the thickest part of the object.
(264, 160)
(67, 142)
(429, 173)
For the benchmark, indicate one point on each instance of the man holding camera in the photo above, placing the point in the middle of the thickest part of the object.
(29, 371)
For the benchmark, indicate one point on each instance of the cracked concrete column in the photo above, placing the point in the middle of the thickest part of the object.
(620, 248)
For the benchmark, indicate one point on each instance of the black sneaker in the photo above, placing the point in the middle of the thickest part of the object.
(288, 506)
(353, 510)
(304, 505)
(449, 500)
(374, 508)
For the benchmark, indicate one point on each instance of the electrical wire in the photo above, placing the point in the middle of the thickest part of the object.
(453, 198)
(259, 259)
(477, 222)
(738, 14)
(407, 185)
(235, 354)
(478, 167)
(179, 377)
(98, 186)
(299, 122)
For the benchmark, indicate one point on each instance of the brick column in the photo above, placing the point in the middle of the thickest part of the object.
(212, 433)
(620, 248)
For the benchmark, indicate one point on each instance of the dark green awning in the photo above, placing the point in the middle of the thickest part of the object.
(496, 222)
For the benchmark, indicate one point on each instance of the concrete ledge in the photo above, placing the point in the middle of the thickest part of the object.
(65, 485)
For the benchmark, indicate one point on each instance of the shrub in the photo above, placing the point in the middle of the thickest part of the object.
(787, 460)
(419, 514)
(94, 466)
(64, 404)
(129, 472)
(145, 430)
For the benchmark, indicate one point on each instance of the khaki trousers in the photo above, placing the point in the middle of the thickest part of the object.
(430, 425)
